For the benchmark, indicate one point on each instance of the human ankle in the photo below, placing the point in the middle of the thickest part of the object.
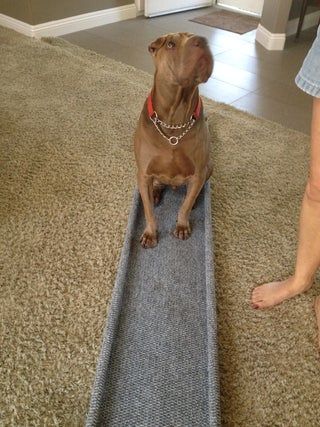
(301, 283)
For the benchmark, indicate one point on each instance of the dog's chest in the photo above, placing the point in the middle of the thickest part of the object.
(172, 168)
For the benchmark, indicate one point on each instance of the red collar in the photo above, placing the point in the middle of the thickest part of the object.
(151, 111)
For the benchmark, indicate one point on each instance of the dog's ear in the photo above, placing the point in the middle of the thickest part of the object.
(156, 44)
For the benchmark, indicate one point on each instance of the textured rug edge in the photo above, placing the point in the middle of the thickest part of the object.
(212, 320)
(110, 329)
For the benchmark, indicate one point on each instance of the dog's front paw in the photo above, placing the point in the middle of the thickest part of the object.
(182, 232)
(148, 240)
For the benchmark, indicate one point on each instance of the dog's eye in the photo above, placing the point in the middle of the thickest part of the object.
(170, 45)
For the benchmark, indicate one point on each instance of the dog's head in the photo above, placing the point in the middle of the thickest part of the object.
(182, 58)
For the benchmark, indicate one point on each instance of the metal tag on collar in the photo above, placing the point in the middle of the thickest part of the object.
(173, 140)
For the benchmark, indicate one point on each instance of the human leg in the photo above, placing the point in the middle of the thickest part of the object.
(308, 254)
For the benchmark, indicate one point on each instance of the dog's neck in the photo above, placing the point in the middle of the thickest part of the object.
(174, 104)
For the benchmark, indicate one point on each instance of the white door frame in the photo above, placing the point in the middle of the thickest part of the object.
(139, 6)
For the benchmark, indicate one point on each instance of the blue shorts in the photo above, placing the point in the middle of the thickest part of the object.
(308, 78)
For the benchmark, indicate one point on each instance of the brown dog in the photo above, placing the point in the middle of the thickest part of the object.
(171, 141)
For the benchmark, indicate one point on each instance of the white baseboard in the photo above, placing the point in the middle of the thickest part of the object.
(71, 24)
(310, 20)
(271, 41)
(15, 24)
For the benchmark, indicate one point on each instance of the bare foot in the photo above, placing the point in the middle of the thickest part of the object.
(317, 310)
(148, 240)
(274, 293)
(182, 232)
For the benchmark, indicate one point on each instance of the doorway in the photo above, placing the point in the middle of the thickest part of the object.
(253, 7)
(156, 7)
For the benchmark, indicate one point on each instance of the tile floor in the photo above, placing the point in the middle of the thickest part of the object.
(245, 75)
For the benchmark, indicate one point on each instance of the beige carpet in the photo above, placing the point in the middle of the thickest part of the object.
(229, 21)
(66, 178)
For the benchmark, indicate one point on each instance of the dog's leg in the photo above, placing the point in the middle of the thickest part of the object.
(208, 175)
(183, 229)
(149, 236)
(157, 192)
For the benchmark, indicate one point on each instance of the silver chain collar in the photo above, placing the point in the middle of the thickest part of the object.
(173, 140)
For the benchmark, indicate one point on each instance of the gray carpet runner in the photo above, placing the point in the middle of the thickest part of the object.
(158, 363)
